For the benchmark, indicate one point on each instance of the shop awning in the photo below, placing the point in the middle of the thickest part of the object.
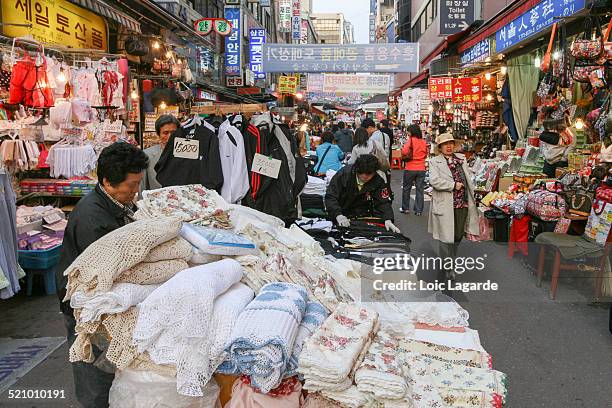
(419, 78)
(105, 10)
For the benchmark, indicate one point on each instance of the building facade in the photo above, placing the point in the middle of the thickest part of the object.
(330, 27)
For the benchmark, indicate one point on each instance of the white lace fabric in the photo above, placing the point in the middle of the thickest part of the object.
(174, 321)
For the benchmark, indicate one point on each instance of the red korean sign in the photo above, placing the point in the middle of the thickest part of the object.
(458, 89)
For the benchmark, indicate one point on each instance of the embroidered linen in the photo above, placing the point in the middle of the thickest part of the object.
(469, 379)
(189, 203)
(119, 299)
(423, 393)
(95, 270)
(264, 335)
(314, 317)
(445, 354)
(469, 399)
(380, 373)
(330, 354)
(351, 397)
(174, 321)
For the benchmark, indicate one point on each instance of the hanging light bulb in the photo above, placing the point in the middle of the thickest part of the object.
(488, 76)
(557, 55)
(448, 106)
(538, 61)
(155, 45)
(579, 124)
(61, 77)
(162, 105)
(168, 54)
(134, 94)
(504, 70)
(489, 97)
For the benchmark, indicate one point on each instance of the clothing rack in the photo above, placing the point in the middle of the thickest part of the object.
(229, 108)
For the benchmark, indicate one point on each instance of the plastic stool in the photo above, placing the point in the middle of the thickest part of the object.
(48, 277)
(396, 163)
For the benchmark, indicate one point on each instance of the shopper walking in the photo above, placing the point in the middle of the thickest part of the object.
(165, 126)
(329, 155)
(344, 137)
(109, 207)
(415, 152)
(365, 145)
(453, 212)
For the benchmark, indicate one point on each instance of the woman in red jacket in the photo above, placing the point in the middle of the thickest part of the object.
(414, 170)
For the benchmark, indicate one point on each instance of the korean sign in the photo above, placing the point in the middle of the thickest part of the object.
(372, 29)
(455, 15)
(347, 83)
(478, 52)
(341, 58)
(54, 22)
(257, 38)
(458, 89)
(284, 16)
(534, 21)
(288, 84)
(233, 66)
(304, 32)
(204, 26)
(296, 20)
(234, 81)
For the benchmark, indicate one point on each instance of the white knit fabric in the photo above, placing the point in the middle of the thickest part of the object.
(120, 298)
(351, 397)
(226, 310)
(262, 340)
(173, 323)
(314, 317)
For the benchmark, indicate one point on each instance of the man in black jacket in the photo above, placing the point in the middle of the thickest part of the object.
(344, 138)
(109, 207)
(358, 191)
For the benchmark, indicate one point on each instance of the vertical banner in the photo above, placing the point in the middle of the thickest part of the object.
(304, 33)
(296, 20)
(257, 38)
(284, 16)
(232, 43)
(467, 90)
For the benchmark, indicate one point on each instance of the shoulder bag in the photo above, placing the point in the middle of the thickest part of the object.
(383, 160)
(545, 65)
(318, 167)
(586, 48)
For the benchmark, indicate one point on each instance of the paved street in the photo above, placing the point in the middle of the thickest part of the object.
(556, 353)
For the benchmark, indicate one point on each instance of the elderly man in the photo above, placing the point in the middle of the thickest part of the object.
(165, 125)
(109, 207)
(357, 191)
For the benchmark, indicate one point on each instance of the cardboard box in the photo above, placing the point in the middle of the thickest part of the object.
(505, 182)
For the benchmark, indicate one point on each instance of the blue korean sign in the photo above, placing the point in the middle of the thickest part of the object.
(476, 53)
(232, 43)
(257, 38)
(535, 20)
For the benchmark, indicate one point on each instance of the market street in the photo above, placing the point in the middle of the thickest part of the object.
(555, 353)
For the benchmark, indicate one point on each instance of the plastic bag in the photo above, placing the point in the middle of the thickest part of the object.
(217, 241)
(135, 389)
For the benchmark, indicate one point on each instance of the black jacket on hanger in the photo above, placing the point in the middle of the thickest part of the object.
(343, 197)
(279, 196)
(206, 170)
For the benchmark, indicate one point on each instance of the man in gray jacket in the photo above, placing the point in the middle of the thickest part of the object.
(344, 138)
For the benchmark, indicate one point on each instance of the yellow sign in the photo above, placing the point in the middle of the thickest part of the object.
(288, 83)
(54, 22)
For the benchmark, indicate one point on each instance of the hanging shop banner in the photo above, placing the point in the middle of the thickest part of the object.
(234, 81)
(304, 32)
(458, 89)
(284, 16)
(257, 38)
(467, 90)
(372, 28)
(456, 15)
(204, 26)
(341, 58)
(478, 52)
(347, 83)
(232, 43)
(535, 20)
(296, 28)
(288, 84)
(315, 82)
(54, 22)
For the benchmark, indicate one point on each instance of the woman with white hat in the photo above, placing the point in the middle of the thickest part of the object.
(453, 212)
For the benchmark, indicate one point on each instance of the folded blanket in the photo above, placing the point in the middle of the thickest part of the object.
(151, 273)
(226, 309)
(330, 354)
(177, 248)
(314, 317)
(423, 393)
(264, 335)
(351, 397)
(174, 321)
(119, 299)
(380, 373)
(445, 354)
(96, 269)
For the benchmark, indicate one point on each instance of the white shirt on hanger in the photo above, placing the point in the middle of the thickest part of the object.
(233, 164)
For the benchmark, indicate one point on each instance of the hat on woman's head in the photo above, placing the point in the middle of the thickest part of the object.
(443, 138)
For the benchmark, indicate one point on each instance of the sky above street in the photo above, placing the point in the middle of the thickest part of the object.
(355, 11)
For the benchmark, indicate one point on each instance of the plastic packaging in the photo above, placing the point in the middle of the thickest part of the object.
(217, 241)
(135, 389)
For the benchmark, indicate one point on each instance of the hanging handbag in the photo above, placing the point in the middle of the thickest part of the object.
(545, 65)
(604, 193)
(580, 204)
(42, 157)
(585, 47)
(135, 46)
(582, 72)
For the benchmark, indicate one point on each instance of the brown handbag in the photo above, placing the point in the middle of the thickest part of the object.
(545, 65)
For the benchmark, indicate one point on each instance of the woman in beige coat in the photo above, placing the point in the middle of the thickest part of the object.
(453, 212)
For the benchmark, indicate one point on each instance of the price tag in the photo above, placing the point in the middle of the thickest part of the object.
(266, 166)
(186, 149)
(112, 127)
(150, 119)
(52, 218)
